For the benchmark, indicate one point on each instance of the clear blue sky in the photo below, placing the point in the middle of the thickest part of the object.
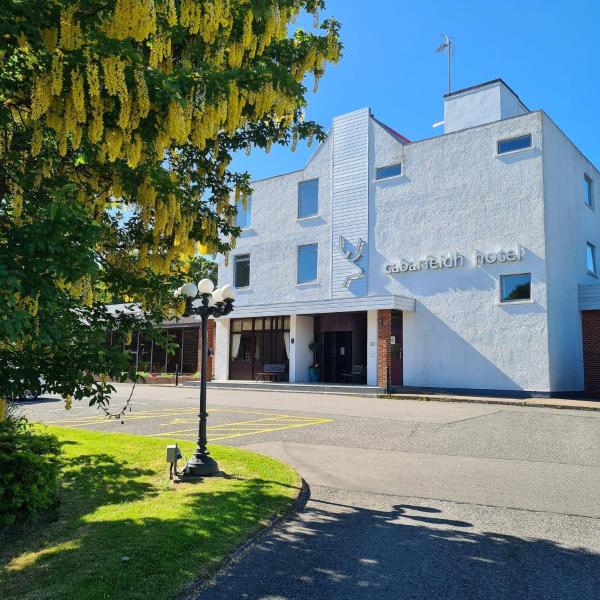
(547, 51)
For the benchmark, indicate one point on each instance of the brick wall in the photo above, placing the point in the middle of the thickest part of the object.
(211, 334)
(384, 347)
(590, 322)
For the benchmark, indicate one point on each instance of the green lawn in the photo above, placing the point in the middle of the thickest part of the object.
(117, 501)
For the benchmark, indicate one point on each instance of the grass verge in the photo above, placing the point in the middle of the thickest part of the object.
(123, 530)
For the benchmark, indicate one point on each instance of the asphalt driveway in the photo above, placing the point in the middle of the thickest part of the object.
(409, 499)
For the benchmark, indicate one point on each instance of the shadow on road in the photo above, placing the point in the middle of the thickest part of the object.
(410, 552)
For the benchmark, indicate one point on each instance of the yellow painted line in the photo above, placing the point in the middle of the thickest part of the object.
(167, 412)
(243, 433)
(226, 437)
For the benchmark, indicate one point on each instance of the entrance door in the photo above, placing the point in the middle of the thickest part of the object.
(242, 352)
(337, 355)
(396, 370)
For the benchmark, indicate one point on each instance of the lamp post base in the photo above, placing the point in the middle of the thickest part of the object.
(199, 467)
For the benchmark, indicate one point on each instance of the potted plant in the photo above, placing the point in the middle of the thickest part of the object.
(314, 373)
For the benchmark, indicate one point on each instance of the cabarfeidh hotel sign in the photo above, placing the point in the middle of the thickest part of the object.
(454, 260)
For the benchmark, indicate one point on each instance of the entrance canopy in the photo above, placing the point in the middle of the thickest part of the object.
(326, 306)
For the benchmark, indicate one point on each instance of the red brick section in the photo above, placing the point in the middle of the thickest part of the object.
(211, 344)
(384, 347)
(590, 324)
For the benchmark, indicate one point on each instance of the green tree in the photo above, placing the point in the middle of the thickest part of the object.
(118, 120)
(202, 268)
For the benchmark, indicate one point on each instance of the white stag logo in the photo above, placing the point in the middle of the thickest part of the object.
(352, 257)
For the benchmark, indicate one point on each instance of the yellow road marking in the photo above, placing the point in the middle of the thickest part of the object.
(243, 431)
(267, 423)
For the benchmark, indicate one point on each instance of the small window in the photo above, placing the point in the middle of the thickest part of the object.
(389, 171)
(308, 198)
(591, 258)
(588, 191)
(518, 143)
(515, 288)
(242, 219)
(241, 271)
(307, 263)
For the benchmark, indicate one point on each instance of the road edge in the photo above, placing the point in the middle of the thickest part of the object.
(193, 590)
(590, 405)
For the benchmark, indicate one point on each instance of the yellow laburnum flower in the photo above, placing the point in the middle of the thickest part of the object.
(142, 99)
(71, 37)
(57, 72)
(49, 36)
(135, 151)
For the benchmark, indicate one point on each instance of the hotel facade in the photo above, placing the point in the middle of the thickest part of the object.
(464, 261)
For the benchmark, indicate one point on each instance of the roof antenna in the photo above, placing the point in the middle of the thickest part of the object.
(447, 46)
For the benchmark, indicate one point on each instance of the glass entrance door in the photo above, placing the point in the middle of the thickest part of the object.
(337, 355)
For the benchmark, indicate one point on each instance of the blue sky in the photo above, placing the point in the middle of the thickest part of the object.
(546, 51)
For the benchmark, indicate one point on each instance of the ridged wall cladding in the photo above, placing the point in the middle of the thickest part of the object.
(350, 201)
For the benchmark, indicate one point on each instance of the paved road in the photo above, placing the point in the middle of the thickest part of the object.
(415, 500)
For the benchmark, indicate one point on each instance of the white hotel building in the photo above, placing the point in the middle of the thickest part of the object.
(463, 261)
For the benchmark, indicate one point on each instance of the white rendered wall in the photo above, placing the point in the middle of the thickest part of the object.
(301, 357)
(222, 349)
(276, 232)
(569, 225)
(456, 195)
(480, 106)
(371, 347)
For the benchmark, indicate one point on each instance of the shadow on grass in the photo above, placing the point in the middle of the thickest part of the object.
(123, 553)
(100, 479)
(409, 552)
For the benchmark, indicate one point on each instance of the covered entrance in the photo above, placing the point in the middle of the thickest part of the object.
(341, 344)
(256, 342)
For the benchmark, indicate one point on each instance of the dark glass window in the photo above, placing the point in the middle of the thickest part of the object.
(308, 198)
(242, 219)
(390, 171)
(512, 144)
(515, 287)
(591, 258)
(241, 270)
(588, 191)
(307, 263)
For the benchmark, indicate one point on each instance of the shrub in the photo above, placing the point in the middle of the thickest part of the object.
(29, 468)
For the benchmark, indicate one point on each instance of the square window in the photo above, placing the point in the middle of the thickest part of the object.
(241, 270)
(308, 198)
(242, 219)
(515, 288)
(588, 191)
(591, 258)
(512, 144)
(307, 263)
(389, 171)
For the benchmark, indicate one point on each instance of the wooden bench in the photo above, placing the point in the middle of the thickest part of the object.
(270, 372)
(354, 375)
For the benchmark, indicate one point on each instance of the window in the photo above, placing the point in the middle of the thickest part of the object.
(389, 171)
(591, 258)
(242, 219)
(588, 191)
(515, 288)
(307, 263)
(518, 143)
(241, 270)
(308, 198)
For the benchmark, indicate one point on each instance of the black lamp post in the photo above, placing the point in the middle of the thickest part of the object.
(212, 303)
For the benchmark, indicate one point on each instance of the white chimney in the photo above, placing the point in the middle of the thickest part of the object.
(481, 104)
